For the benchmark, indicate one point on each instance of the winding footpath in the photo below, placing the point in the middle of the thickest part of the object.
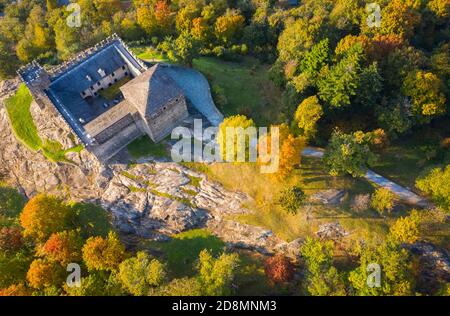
(403, 193)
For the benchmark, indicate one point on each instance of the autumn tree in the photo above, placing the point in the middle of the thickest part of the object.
(63, 247)
(405, 229)
(163, 16)
(215, 275)
(145, 15)
(399, 17)
(435, 183)
(234, 128)
(140, 273)
(278, 269)
(44, 215)
(229, 26)
(382, 200)
(103, 253)
(322, 278)
(43, 273)
(425, 91)
(15, 290)
(307, 114)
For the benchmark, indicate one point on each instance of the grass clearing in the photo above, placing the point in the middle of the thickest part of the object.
(112, 92)
(182, 251)
(410, 157)
(144, 146)
(246, 87)
(149, 54)
(18, 108)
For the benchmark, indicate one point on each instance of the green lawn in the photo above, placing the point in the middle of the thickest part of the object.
(18, 107)
(112, 92)
(183, 250)
(411, 156)
(246, 88)
(150, 54)
(144, 146)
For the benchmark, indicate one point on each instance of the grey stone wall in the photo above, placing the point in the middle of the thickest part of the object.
(167, 118)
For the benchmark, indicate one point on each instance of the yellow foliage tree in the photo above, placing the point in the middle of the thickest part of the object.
(103, 253)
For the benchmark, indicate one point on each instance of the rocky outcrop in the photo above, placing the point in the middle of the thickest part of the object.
(149, 199)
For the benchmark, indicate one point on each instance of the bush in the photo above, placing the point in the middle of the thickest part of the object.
(291, 199)
(278, 269)
(382, 200)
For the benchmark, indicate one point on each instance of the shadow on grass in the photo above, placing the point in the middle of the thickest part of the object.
(183, 250)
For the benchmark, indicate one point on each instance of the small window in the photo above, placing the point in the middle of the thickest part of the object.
(164, 108)
(83, 93)
(126, 73)
(113, 74)
(92, 87)
(95, 94)
(98, 84)
(115, 80)
(109, 84)
(176, 99)
(123, 67)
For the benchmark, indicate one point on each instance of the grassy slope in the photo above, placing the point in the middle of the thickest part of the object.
(18, 107)
(247, 88)
(144, 146)
(311, 177)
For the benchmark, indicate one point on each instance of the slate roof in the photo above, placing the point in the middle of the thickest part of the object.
(66, 88)
(151, 90)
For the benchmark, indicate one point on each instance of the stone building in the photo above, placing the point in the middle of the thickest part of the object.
(108, 97)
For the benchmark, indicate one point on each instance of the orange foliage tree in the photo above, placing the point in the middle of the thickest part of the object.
(278, 269)
(15, 290)
(44, 215)
(103, 253)
(43, 273)
(64, 247)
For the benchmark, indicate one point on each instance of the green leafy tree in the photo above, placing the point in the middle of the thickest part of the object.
(395, 266)
(322, 278)
(425, 91)
(307, 114)
(382, 200)
(179, 287)
(436, 183)
(216, 275)
(291, 199)
(349, 82)
(140, 273)
(348, 153)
